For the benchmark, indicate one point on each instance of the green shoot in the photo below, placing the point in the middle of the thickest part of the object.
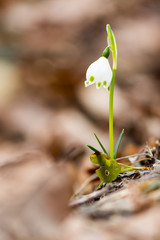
(118, 143)
(92, 148)
(101, 145)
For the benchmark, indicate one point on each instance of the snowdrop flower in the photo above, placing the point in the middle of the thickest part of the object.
(100, 73)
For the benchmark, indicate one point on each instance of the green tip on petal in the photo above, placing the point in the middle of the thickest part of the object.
(105, 83)
(99, 84)
(91, 79)
(86, 83)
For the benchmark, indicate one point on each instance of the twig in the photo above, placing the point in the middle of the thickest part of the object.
(86, 182)
(138, 154)
(89, 197)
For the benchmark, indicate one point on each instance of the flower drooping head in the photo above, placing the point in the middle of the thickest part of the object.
(100, 73)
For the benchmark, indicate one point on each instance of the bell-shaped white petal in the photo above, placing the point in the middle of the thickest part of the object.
(100, 73)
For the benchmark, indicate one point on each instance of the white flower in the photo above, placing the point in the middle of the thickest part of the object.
(100, 73)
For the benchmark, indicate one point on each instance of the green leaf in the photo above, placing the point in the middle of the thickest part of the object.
(118, 143)
(109, 168)
(101, 145)
(92, 148)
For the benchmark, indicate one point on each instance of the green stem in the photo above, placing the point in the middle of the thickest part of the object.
(113, 46)
(111, 140)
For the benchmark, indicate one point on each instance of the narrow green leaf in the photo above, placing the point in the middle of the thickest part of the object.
(92, 148)
(103, 148)
(118, 143)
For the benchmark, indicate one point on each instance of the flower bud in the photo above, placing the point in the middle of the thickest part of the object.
(106, 52)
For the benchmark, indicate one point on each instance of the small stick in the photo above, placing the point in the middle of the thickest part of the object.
(89, 197)
(140, 160)
(138, 154)
(84, 184)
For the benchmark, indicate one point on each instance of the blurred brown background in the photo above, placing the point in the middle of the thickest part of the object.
(45, 110)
